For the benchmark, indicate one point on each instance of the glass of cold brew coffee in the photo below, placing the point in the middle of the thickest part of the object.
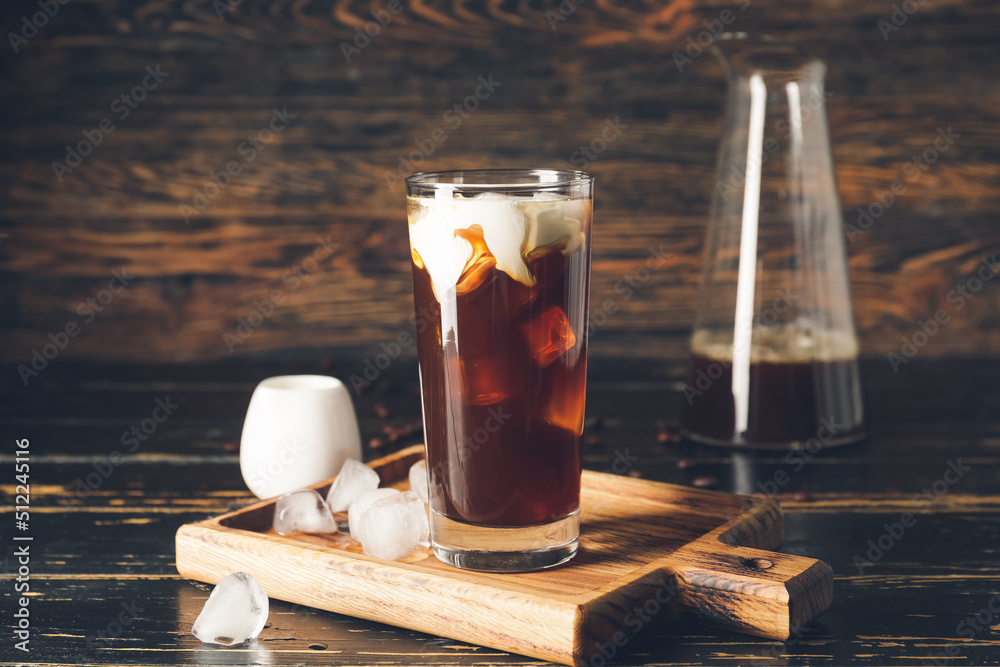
(774, 354)
(501, 273)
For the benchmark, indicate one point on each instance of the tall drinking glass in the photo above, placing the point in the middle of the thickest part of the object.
(501, 274)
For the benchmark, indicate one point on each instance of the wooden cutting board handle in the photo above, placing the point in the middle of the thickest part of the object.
(751, 591)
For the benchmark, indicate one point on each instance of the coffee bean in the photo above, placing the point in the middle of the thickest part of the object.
(705, 482)
(685, 463)
(376, 443)
(667, 434)
(381, 411)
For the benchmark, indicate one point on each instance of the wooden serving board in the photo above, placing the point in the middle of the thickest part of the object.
(646, 549)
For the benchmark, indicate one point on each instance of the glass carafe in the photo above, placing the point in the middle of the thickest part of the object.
(774, 350)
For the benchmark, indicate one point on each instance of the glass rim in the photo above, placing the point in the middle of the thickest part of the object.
(749, 52)
(545, 179)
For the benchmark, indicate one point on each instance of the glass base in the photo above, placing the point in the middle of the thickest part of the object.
(493, 549)
(846, 439)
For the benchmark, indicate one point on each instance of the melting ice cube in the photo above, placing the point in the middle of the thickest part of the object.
(360, 504)
(486, 380)
(549, 335)
(353, 479)
(480, 371)
(565, 403)
(303, 512)
(418, 479)
(235, 611)
(394, 527)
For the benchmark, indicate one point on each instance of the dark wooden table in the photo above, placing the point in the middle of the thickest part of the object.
(104, 590)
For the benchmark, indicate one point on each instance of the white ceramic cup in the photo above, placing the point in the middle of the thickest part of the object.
(298, 431)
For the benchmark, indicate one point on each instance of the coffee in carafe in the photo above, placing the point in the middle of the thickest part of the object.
(774, 350)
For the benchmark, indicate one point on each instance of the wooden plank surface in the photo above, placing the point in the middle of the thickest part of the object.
(325, 174)
(116, 546)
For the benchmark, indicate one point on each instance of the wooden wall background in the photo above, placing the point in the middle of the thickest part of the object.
(325, 174)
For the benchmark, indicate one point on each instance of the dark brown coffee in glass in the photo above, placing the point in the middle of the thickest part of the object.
(501, 266)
